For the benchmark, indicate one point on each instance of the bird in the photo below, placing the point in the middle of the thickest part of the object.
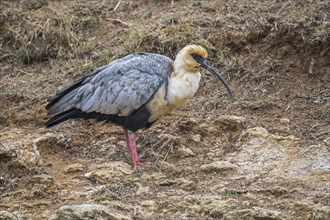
(134, 92)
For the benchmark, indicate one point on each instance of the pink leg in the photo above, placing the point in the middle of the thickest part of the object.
(127, 141)
(132, 150)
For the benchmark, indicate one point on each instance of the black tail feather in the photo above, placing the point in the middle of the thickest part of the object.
(133, 122)
(72, 113)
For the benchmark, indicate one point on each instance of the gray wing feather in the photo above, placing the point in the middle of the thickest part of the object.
(120, 88)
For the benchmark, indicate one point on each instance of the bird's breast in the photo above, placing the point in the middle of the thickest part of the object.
(177, 93)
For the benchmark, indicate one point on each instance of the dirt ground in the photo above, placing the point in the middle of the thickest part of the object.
(264, 155)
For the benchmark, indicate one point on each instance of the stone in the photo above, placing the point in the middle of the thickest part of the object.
(42, 179)
(166, 182)
(312, 163)
(143, 190)
(121, 144)
(196, 138)
(151, 205)
(186, 184)
(302, 208)
(254, 213)
(219, 167)
(188, 124)
(4, 215)
(110, 172)
(239, 214)
(261, 213)
(185, 152)
(327, 141)
(23, 152)
(321, 213)
(279, 157)
(86, 212)
(230, 122)
(285, 121)
(205, 205)
(120, 206)
(74, 168)
(250, 134)
(154, 176)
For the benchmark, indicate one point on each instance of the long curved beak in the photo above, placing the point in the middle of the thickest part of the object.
(207, 65)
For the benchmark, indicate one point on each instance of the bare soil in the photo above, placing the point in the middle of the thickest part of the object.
(274, 54)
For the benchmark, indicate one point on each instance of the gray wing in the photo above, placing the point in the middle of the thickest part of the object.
(120, 88)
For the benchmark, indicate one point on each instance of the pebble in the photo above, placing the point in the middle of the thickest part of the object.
(74, 168)
(219, 166)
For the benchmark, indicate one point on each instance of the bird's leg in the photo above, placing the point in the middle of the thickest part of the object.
(130, 139)
(127, 140)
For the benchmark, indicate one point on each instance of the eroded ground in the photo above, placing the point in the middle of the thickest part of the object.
(264, 155)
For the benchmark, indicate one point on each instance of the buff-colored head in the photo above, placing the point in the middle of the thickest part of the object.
(190, 59)
(184, 59)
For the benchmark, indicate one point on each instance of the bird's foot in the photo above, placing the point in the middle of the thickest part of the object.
(141, 165)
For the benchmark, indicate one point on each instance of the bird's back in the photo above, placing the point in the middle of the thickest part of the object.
(113, 92)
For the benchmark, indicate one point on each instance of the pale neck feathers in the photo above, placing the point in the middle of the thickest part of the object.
(185, 79)
(182, 84)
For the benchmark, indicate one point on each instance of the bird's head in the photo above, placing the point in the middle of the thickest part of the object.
(193, 57)
(185, 58)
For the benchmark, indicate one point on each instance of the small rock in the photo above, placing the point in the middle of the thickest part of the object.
(88, 175)
(24, 152)
(230, 122)
(285, 121)
(219, 166)
(187, 184)
(168, 166)
(110, 140)
(185, 152)
(206, 205)
(44, 214)
(189, 124)
(65, 139)
(210, 155)
(4, 215)
(147, 209)
(302, 207)
(327, 141)
(142, 190)
(74, 168)
(43, 179)
(261, 213)
(256, 132)
(239, 214)
(86, 212)
(284, 125)
(196, 138)
(121, 144)
(154, 176)
(246, 203)
(166, 182)
(110, 172)
(108, 149)
(322, 213)
(205, 128)
(121, 206)
(150, 204)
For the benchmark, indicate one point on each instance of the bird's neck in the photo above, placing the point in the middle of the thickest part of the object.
(182, 86)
